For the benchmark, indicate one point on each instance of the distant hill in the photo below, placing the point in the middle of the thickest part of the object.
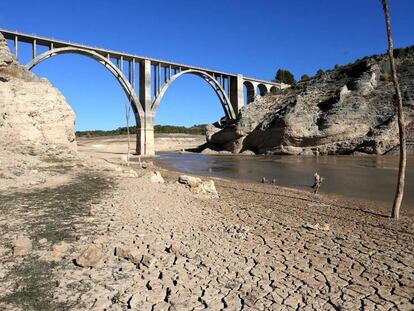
(198, 129)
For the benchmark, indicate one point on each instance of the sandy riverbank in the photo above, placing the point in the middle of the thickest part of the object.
(162, 247)
(119, 144)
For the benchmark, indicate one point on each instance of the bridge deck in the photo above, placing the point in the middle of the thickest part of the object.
(43, 41)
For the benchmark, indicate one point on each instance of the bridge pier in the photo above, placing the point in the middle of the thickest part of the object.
(145, 125)
(145, 135)
(236, 93)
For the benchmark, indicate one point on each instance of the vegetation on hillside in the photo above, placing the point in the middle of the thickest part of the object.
(198, 129)
(286, 76)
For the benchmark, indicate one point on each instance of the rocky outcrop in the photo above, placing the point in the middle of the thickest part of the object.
(32, 112)
(343, 111)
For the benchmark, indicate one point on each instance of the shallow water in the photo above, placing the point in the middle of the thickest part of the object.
(366, 177)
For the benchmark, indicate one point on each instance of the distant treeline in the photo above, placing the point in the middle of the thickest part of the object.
(198, 129)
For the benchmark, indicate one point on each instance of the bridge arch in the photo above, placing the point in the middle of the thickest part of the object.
(219, 90)
(123, 81)
(250, 91)
(273, 90)
(262, 89)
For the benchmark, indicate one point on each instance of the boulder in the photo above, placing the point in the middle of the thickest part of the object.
(209, 188)
(247, 152)
(42, 241)
(196, 185)
(90, 256)
(58, 252)
(209, 151)
(190, 181)
(156, 178)
(125, 252)
(325, 227)
(22, 246)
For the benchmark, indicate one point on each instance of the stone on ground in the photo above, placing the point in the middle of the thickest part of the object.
(196, 185)
(189, 180)
(156, 178)
(22, 246)
(58, 252)
(132, 255)
(208, 187)
(90, 257)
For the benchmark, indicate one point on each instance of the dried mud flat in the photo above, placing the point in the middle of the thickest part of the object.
(159, 246)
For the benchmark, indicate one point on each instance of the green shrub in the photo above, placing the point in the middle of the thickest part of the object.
(399, 53)
(285, 76)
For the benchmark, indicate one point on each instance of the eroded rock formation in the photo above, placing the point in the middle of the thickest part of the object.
(343, 111)
(32, 112)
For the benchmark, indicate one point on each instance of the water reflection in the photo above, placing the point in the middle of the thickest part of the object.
(371, 178)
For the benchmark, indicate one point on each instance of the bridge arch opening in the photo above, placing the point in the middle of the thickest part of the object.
(261, 90)
(249, 92)
(273, 90)
(116, 72)
(188, 101)
(218, 88)
(95, 96)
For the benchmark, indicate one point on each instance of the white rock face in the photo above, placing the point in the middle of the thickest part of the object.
(32, 111)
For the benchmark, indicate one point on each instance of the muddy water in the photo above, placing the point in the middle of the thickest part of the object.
(365, 177)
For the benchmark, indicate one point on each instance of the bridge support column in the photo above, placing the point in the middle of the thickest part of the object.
(145, 135)
(145, 127)
(236, 93)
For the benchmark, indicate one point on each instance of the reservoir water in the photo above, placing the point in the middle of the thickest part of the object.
(366, 177)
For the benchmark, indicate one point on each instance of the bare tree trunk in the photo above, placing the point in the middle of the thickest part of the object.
(127, 114)
(398, 102)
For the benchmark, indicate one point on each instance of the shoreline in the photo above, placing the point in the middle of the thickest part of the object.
(114, 146)
(324, 198)
(347, 199)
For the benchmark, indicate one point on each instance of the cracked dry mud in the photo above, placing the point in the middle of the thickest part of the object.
(257, 247)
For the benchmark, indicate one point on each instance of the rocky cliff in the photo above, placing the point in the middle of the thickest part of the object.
(343, 111)
(32, 112)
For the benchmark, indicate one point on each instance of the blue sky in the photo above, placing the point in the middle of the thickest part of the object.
(253, 38)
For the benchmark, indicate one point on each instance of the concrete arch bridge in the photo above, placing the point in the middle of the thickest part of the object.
(145, 80)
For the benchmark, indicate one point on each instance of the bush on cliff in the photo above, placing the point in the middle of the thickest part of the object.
(285, 76)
